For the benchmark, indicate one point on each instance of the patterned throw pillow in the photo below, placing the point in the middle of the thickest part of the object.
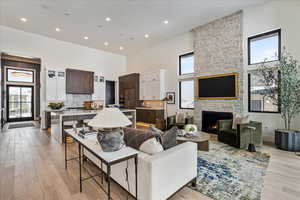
(239, 119)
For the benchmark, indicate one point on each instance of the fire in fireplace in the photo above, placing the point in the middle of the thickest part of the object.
(210, 120)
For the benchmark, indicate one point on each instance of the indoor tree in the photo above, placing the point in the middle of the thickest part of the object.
(286, 92)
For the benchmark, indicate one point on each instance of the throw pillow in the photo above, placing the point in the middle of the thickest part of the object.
(169, 138)
(180, 118)
(151, 146)
(154, 129)
(136, 137)
(239, 119)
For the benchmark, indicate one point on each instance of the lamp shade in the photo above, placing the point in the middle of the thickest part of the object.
(110, 118)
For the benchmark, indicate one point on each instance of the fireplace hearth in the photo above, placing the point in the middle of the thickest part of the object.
(210, 120)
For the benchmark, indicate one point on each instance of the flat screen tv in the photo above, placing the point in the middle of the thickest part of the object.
(222, 86)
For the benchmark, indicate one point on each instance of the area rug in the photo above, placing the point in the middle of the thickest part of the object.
(227, 173)
(21, 125)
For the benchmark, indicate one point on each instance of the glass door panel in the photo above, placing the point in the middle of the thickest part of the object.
(20, 103)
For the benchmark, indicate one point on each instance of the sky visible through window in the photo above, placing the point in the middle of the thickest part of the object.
(187, 64)
(264, 49)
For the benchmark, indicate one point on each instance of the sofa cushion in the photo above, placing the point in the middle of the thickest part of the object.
(151, 146)
(135, 137)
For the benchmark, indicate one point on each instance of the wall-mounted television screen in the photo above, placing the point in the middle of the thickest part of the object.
(222, 86)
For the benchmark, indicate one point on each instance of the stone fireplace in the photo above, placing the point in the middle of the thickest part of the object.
(218, 49)
(210, 120)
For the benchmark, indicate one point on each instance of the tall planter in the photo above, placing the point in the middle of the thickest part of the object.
(287, 140)
(286, 95)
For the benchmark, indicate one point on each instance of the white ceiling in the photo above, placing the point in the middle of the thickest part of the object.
(130, 19)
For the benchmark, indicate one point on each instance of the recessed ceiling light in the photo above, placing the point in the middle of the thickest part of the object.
(23, 19)
(57, 29)
(108, 19)
(146, 35)
(106, 43)
(121, 48)
(166, 22)
(86, 37)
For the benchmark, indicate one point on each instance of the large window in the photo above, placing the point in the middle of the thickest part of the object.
(17, 75)
(264, 47)
(186, 94)
(186, 64)
(262, 98)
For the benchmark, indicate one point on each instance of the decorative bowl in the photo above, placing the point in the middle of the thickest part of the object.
(56, 105)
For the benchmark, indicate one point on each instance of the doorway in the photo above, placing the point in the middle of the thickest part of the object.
(20, 103)
(110, 92)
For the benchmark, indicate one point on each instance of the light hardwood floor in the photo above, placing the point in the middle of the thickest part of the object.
(32, 168)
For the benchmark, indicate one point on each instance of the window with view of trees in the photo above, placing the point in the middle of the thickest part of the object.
(186, 94)
(264, 47)
(259, 95)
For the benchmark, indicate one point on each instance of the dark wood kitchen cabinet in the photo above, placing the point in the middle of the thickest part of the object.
(79, 82)
(129, 90)
(149, 116)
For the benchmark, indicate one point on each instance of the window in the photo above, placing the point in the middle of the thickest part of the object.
(186, 64)
(186, 94)
(262, 98)
(17, 75)
(264, 47)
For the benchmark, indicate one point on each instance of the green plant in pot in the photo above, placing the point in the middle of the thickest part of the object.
(287, 94)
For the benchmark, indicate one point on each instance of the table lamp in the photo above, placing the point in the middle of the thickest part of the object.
(109, 123)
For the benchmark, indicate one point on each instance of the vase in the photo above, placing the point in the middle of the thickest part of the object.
(111, 140)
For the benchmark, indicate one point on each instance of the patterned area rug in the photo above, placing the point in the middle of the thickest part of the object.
(227, 173)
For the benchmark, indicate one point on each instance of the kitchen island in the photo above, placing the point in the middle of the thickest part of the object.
(59, 117)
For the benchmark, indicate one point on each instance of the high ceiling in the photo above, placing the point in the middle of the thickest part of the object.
(130, 20)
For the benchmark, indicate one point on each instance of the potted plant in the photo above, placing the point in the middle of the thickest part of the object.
(286, 95)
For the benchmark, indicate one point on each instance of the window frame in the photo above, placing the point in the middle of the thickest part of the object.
(278, 31)
(179, 96)
(183, 55)
(249, 97)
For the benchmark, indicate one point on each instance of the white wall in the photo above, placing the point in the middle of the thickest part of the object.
(163, 56)
(59, 54)
(270, 16)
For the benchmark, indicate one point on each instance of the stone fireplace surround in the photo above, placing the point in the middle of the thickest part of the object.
(218, 49)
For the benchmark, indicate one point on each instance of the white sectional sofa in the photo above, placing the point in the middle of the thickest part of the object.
(160, 175)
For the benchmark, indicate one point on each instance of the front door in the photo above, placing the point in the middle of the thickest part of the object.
(19, 103)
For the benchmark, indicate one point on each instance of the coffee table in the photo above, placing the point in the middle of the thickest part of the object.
(201, 138)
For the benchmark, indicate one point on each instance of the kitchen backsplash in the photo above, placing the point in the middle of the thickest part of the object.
(76, 100)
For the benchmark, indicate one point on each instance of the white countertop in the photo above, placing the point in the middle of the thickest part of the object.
(72, 112)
